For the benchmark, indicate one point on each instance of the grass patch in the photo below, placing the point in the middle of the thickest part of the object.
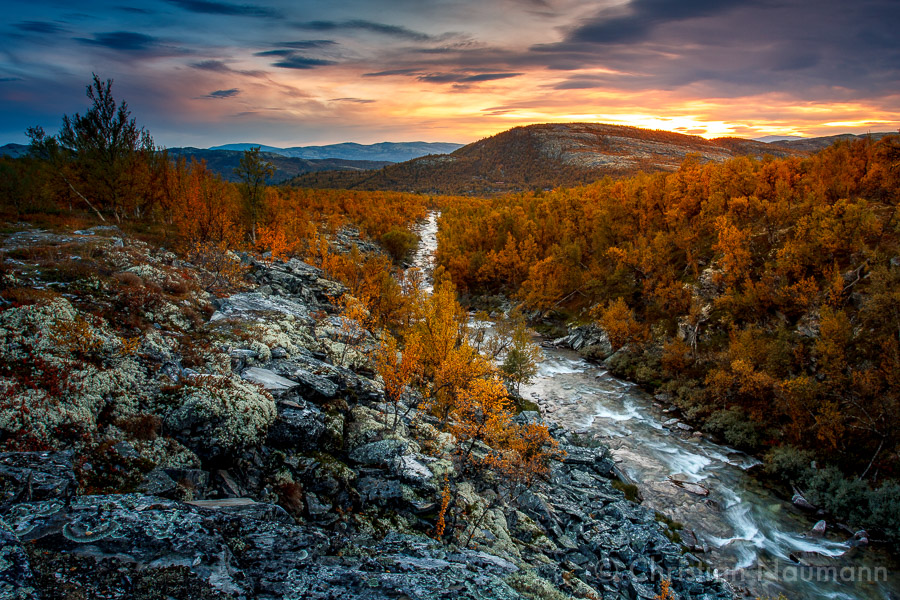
(629, 489)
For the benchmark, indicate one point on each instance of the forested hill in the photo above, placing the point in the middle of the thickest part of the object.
(224, 162)
(819, 143)
(544, 156)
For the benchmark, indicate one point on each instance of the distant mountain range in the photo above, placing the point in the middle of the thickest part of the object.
(14, 150)
(531, 157)
(286, 167)
(557, 154)
(544, 156)
(291, 162)
(768, 139)
(384, 151)
(818, 143)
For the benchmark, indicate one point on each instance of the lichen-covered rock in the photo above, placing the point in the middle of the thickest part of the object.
(240, 549)
(298, 426)
(73, 368)
(253, 305)
(36, 475)
(380, 453)
(368, 425)
(219, 416)
(16, 578)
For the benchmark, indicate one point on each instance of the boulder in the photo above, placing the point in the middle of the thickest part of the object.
(252, 306)
(269, 380)
(196, 481)
(158, 483)
(860, 538)
(314, 378)
(16, 578)
(819, 528)
(377, 490)
(381, 453)
(801, 502)
(410, 468)
(36, 475)
(298, 426)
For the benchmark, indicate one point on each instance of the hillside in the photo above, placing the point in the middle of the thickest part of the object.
(820, 143)
(224, 162)
(545, 156)
(383, 151)
(14, 150)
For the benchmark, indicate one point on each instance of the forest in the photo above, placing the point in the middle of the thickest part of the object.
(761, 296)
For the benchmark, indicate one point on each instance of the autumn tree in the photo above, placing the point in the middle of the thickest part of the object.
(619, 323)
(109, 153)
(398, 370)
(253, 171)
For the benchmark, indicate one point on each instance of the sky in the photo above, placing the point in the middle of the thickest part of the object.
(298, 72)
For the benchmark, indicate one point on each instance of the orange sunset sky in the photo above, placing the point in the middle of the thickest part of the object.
(282, 73)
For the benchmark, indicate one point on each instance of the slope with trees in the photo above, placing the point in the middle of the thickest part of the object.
(543, 156)
(759, 295)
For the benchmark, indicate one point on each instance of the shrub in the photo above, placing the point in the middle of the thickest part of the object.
(734, 427)
(788, 462)
(399, 243)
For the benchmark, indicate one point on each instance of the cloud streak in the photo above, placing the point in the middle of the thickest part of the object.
(210, 7)
(123, 41)
(296, 61)
(40, 27)
(221, 94)
(395, 31)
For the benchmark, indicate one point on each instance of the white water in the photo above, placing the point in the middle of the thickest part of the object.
(750, 532)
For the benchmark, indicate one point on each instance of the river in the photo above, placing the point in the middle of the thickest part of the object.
(752, 537)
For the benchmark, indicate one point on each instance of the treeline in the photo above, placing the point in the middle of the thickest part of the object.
(103, 166)
(763, 296)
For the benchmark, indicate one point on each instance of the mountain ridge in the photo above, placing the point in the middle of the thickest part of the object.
(544, 156)
(381, 151)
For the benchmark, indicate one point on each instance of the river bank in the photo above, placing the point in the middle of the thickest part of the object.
(742, 529)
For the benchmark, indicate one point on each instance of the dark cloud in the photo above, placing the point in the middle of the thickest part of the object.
(220, 66)
(8, 79)
(838, 51)
(396, 31)
(353, 100)
(135, 10)
(307, 44)
(301, 62)
(210, 7)
(643, 17)
(275, 53)
(217, 66)
(219, 94)
(39, 27)
(464, 78)
(125, 41)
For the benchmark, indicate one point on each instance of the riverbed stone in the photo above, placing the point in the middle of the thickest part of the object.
(819, 528)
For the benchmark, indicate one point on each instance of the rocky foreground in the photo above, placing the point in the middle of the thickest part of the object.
(172, 444)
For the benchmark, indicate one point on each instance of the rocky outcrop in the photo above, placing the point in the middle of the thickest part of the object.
(588, 340)
(249, 457)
